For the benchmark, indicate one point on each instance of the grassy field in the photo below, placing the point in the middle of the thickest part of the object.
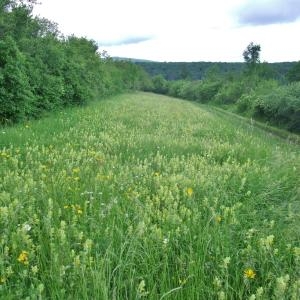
(143, 196)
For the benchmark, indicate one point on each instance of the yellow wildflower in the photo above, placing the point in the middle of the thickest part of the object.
(23, 258)
(78, 209)
(2, 280)
(218, 219)
(249, 273)
(189, 191)
(182, 282)
(76, 170)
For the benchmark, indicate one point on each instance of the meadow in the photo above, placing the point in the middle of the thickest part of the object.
(144, 196)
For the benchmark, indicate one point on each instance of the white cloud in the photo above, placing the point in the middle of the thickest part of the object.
(166, 30)
(264, 12)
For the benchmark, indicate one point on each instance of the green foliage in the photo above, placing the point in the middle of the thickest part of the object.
(40, 70)
(230, 92)
(15, 92)
(294, 73)
(160, 84)
(246, 103)
(281, 106)
(253, 94)
(200, 91)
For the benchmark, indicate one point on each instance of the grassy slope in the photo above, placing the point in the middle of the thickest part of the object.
(145, 196)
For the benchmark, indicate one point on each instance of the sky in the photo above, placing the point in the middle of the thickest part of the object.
(182, 30)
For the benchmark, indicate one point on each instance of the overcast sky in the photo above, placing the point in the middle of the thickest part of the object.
(182, 30)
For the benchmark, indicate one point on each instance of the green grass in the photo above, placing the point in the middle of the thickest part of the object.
(143, 196)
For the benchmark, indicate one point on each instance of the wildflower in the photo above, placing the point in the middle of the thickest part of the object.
(296, 251)
(217, 282)
(80, 235)
(88, 245)
(78, 209)
(221, 295)
(3, 280)
(281, 286)
(226, 262)
(40, 288)
(34, 269)
(76, 261)
(267, 243)
(23, 258)
(9, 271)
(141, 289)
(218, 219)
(26, 227)
(76, 170)
(165, 241)
(189, 191)
(249, 273)
(182, 282)
(259, 292)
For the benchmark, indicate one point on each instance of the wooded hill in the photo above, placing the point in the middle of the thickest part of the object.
(198, 70)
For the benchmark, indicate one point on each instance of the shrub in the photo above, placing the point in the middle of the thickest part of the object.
(281, 107)
(230, 92)
(15, 93)
(160, 84)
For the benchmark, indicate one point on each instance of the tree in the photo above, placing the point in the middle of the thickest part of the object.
(251, 55)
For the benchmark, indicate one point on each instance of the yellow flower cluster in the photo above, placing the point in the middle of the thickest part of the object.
(249, 273)
(23, 258)
(75, 207)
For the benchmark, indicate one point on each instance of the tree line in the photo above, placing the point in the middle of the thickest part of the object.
(42, 70)
(198, 70)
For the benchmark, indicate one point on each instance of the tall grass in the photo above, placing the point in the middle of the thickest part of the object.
(147, 197)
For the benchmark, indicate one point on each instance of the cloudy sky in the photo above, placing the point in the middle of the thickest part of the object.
(182, 30)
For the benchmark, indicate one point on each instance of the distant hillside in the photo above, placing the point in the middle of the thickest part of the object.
(134, 60)
(197, 70)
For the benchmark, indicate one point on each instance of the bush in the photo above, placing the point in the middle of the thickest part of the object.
(16, 97)
(248, 100)
(160, 84)
(231, 91)
(281, 107)
(206, 91)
